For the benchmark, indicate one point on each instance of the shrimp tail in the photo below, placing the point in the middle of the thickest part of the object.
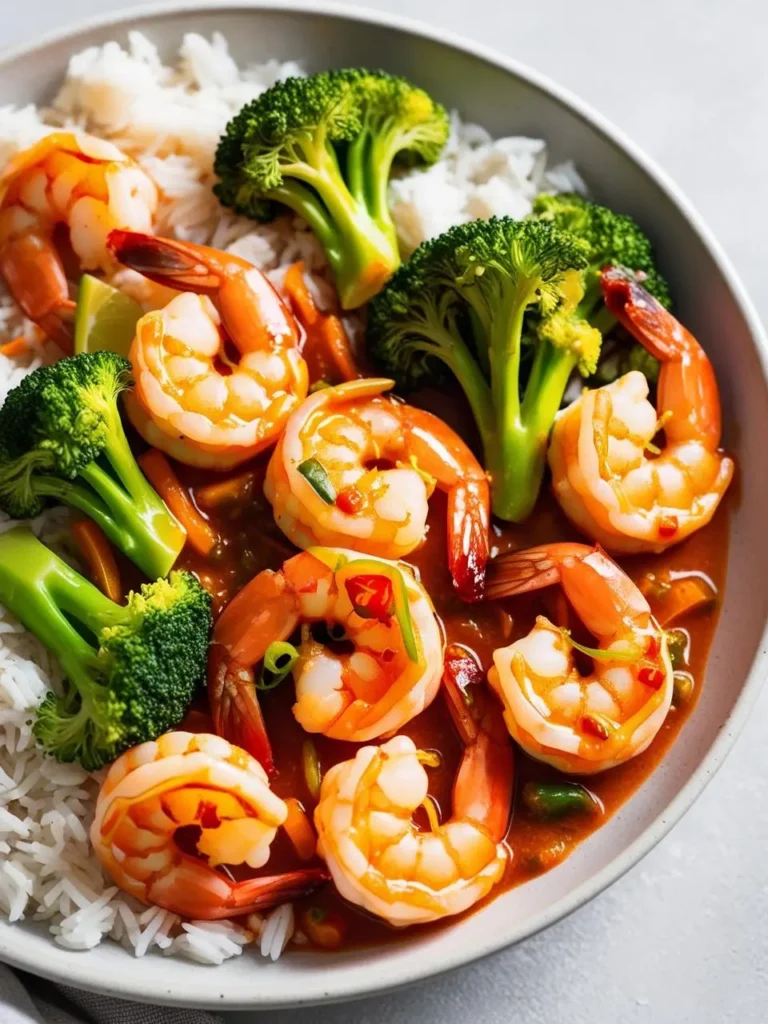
(521, 572)
(643, 315)
(35, 277)
(164, 261)
(235, 707)
(468, 538)
(255, 894)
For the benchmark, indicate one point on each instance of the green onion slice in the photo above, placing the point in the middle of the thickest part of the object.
(316, 475)
(629, 653)
(279, 659)
(311, 765)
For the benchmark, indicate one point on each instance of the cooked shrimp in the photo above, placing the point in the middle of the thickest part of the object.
(379, 609)
(580, 723)
(610, 479)
(381, 861)
(217, 371)
(84, 183)
(326, 487)
(185, 779)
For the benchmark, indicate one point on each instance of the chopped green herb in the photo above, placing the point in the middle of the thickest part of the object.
(311, 765)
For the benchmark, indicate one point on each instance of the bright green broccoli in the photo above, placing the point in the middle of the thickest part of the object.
(325, 146)
(130, 670)
(462, 300)
(62, 440)
(614, 239)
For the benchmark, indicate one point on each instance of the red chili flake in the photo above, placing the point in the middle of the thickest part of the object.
(350, 500)
(593, 727)
(371, 596)
(653, 648)
(652, 677)
(668, 526)
(387, 655)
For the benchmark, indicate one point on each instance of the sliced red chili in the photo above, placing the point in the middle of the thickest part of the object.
(653, 648)
(592, 726)
(349, 501)
(652, 677)
(371, 596)
(668, 526)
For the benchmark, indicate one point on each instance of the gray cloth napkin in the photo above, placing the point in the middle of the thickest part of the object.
(25, 999)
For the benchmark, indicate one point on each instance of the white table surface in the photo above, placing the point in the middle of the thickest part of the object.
(684, 936)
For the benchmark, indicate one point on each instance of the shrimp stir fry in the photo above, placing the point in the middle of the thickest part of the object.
(218, 371)
(581, 723)
(185, 779)
(608, 476)
(377, 607)
(327, 485)
(83, 183)
(378, 858)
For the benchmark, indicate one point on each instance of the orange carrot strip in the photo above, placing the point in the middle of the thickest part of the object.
(234, 490)
(334, 337)
(299, 830)
(158, 470)
(687, 594)
(327, 346)
(97, 551)
(14, 347)
(296, 288)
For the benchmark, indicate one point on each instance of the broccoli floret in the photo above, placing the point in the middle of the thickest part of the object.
(62, 440)
(462, 300)
(325, 146)
(130, 670)
(613, 239)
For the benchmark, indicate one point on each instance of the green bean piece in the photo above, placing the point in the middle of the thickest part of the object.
(677, 645)
(548, 800)
(314, 472)
(279, 659)
(683, 685)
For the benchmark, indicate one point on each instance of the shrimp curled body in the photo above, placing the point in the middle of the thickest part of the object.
(602, 473)
(83, 183)
(581, 723)
(349, 431)
(217, 371)
(391, 674)
(377, 857)
(184, 779)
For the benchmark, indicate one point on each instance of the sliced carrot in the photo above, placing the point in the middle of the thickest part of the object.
(685, 594)
(326, 348)
(232, 491)
(299, 830)
(301, 298)
(97, 551)
(324, 928)
(158, 470)
(14, 347)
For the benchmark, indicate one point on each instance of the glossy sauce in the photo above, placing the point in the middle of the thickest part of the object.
(250, 542)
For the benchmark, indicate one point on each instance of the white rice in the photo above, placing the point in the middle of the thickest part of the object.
(170, 120)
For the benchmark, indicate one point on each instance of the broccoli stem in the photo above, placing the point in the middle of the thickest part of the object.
(137, 520)
(51, 599)
(361, 254)
(454, 353)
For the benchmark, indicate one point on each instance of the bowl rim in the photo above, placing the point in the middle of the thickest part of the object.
(22, 949)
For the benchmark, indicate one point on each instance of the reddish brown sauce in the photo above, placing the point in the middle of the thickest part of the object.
(251, 542)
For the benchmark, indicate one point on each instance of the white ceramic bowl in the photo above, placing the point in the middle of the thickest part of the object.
(507, 99)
